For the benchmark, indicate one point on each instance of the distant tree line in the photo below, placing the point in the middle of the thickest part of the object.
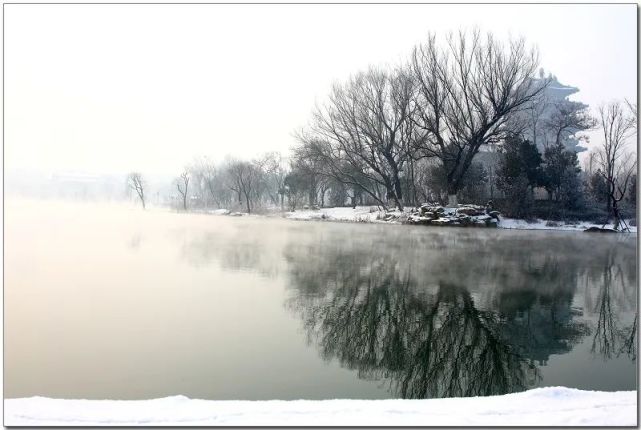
(466, 120)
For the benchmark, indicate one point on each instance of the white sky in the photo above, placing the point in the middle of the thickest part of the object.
(113, 88)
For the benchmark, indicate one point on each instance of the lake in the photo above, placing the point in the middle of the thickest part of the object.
(103, 301)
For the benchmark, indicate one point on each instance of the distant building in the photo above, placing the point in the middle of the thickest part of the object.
(540, 111)
(532, 123)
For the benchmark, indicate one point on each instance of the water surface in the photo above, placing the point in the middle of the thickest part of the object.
(110, 302)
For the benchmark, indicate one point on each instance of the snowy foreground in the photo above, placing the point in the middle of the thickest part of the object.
(551, 406)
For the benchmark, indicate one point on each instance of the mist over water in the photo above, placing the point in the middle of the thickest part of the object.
(106, 301)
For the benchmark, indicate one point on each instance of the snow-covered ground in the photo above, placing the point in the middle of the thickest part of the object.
(373, 214)
(359, 214)
(540, 224)
(551, 406)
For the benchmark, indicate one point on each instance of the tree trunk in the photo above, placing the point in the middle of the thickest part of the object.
(452, 192)
(247, 201)
(398, 194)
(312, 192)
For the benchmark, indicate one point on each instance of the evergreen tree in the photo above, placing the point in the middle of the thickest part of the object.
(561, 175)
(519, 171)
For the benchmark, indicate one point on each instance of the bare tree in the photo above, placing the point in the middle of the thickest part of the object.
(617, 188)
(243, 178)
(535, 110)
(203, 180)
(632, 108)
(566, 119)
(468, 91)
(137, 184)
(275, 171)
(182, 185)
(614, 164)
(319, 157)
(366, 126)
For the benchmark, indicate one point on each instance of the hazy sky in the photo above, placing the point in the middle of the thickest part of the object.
(112, 88)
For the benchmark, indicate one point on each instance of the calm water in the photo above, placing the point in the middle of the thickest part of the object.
(111, 302)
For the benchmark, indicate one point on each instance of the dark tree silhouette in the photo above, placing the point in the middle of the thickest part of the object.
(467, 93)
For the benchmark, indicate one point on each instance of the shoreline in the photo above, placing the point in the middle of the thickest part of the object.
(364, 214)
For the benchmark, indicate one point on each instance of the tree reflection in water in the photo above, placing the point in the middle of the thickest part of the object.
(425, 333)
(441, 312)
(429, 345)
(614, 335)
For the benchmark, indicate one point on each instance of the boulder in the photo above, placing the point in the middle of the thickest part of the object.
(418, 220)
(465, 220)
(468, 210)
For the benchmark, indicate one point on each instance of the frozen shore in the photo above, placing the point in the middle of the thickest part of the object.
(373, 215)
(551, 406)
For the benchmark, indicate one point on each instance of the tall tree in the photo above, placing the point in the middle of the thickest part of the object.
(366, 125)
(467, 92)
(560, 170)
(275, 172)
(519, 171)
(618, 126)
(243, 179)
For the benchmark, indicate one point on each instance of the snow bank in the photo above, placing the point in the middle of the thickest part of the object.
(551, 406)
(376, 215)
(359, 214)
(540, 224)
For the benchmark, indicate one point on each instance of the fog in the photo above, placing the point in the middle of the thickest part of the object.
(102, 90)
(104, 301)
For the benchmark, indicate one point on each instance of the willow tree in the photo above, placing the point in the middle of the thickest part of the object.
(468, 89)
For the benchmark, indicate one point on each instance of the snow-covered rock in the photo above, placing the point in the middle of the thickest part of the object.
(426, 214)
(462, 215)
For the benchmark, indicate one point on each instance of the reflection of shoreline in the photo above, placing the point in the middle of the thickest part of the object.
(436, 313)
(428, 337)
